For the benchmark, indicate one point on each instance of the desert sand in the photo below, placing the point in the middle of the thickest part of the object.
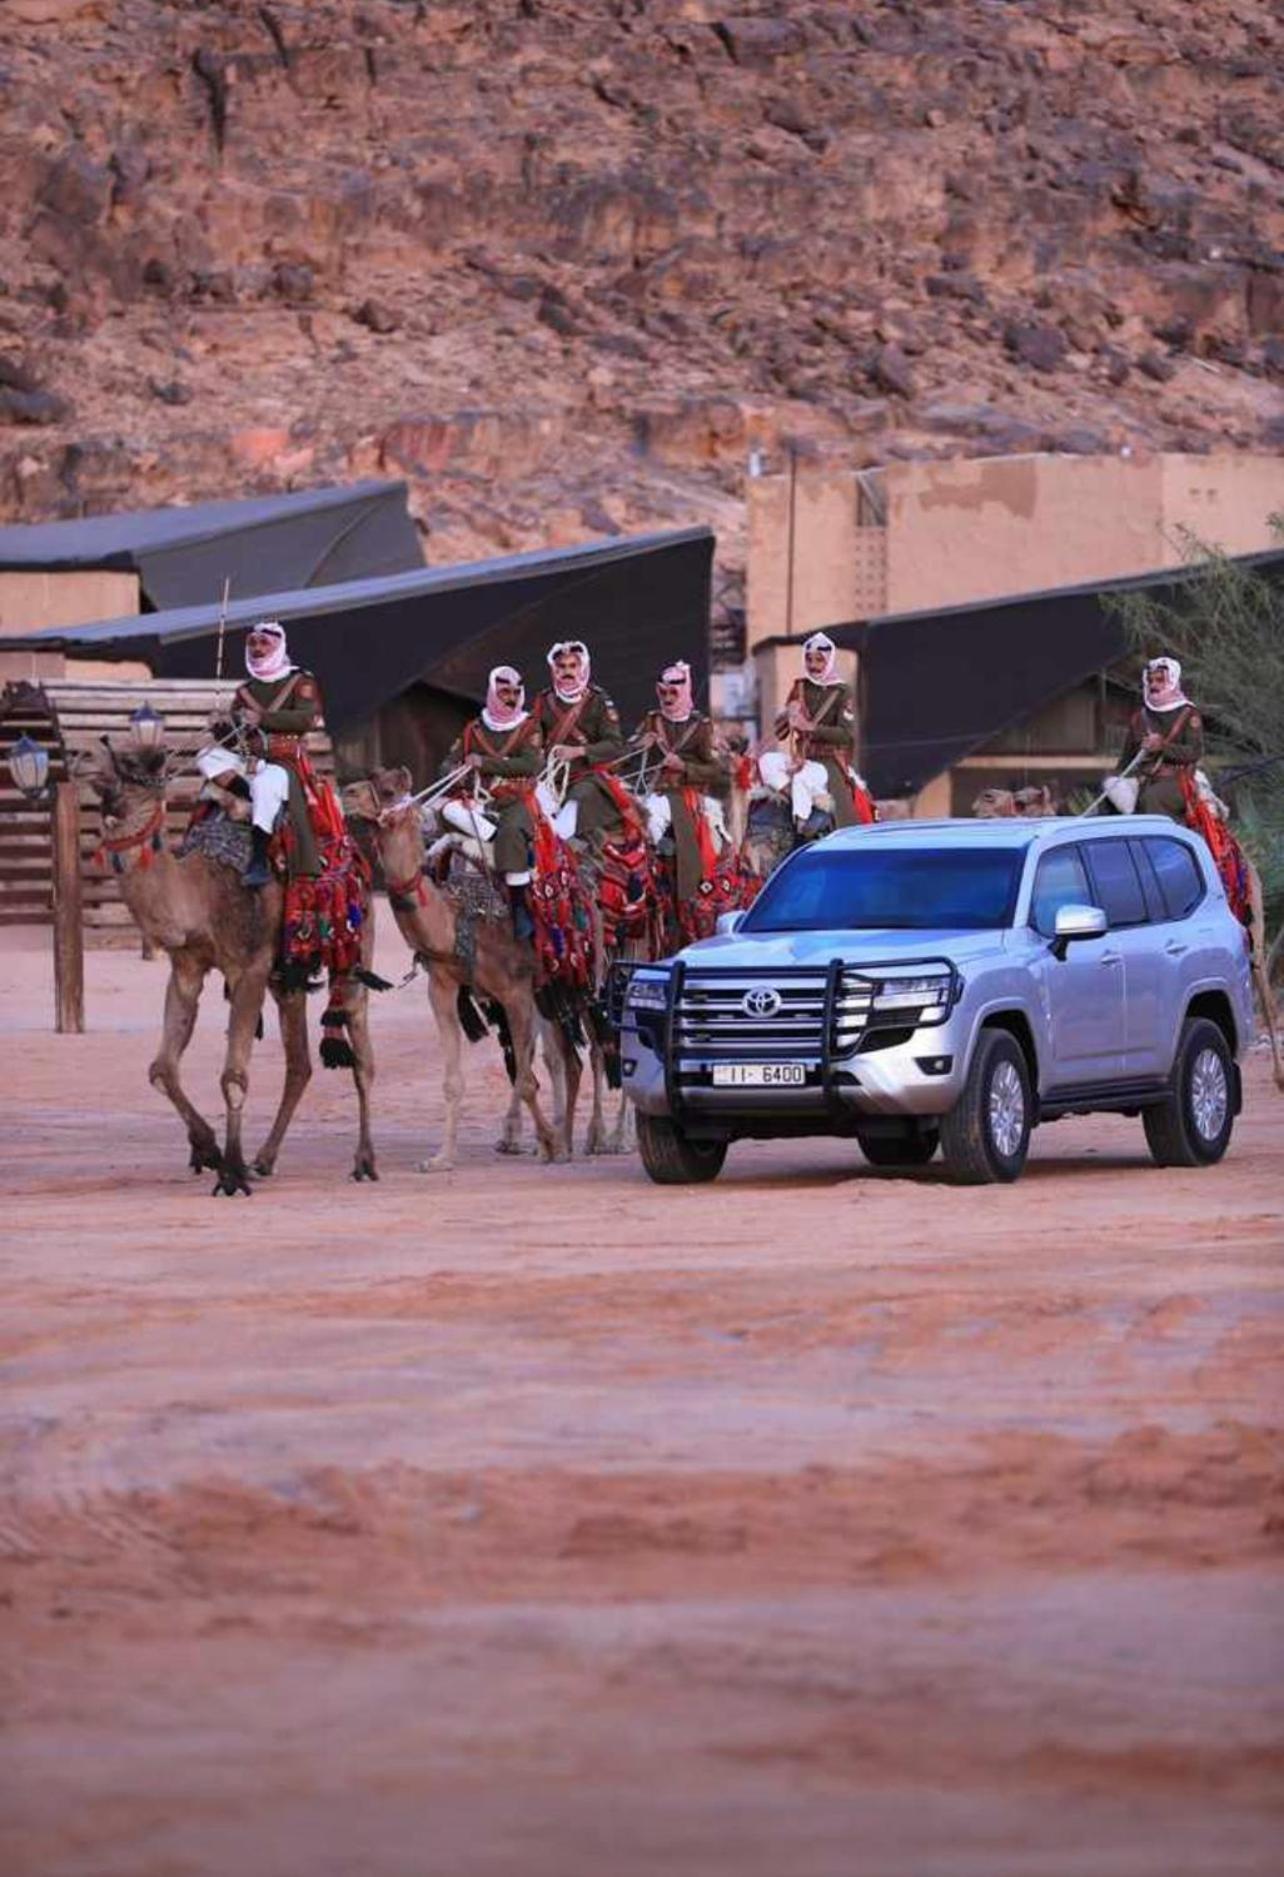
(533, 1521)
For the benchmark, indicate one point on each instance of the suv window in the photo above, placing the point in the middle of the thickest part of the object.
(1180, 883)
(1060, 881)
(1118, 889)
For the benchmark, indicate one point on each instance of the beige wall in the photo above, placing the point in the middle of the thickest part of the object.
(963, 531)
(978, 529)
(837, 563)
(1224, 501)
(31, 601)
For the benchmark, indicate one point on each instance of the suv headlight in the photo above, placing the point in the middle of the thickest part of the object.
(647, 993)
(922, 1000)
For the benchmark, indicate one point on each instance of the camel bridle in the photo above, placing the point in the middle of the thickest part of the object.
(146, 837)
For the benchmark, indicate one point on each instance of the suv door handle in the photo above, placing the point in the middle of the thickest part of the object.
(1109, 958)
(1175, 948)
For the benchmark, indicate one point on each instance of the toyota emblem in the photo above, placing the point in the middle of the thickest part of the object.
(761, 1002)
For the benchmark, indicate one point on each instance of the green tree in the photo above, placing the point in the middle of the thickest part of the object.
(1226, 625)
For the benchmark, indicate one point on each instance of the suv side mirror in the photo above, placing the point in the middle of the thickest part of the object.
(1077, 922)
(728, 922)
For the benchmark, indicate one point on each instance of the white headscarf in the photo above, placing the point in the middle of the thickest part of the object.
(821, 642)
(1161, 685)
(504, 717)
(277, 663)
(574, 692)
(679, 710)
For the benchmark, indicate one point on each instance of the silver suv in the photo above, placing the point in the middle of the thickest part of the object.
(951, 984)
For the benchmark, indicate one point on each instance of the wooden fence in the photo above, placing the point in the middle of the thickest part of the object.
(69, 717)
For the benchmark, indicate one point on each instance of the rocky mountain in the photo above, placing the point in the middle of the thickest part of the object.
(563, 263)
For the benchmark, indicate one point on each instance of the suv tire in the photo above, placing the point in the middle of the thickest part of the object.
(1192, 1126)
(986, 1135)
(914, 1148)
(673, 1160)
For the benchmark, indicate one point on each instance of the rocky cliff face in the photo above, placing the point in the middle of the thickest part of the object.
(564, 262)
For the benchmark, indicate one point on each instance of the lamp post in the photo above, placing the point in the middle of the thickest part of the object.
(29, 767)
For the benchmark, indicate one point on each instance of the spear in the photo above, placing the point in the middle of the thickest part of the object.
(222, 629)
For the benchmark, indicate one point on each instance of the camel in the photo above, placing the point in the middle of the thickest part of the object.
(485, 957)
(196, 909)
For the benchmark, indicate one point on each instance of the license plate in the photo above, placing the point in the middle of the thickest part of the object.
(759, 1075)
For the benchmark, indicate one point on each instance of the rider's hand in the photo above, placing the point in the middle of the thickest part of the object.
(1152, 741)
(251, 715)
(474, 760)
(566, 752)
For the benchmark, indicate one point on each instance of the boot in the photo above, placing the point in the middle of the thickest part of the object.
(258, 873)
(519, 905)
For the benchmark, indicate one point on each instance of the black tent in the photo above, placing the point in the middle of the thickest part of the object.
(936, 686)
(183, 555)
(638, 601)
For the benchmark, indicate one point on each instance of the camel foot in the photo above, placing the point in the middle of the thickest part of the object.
(506, 1145)
(440, 1163)
(231, 1181)
(364, 1167)
(596, 1143)
(262, 1168)
(205, 1156)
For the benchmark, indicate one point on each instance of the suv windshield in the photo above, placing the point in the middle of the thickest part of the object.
(910, 889)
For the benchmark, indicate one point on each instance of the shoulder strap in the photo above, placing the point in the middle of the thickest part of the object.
(835, 696)
(568, 722)
(1179, 725)
(283, 696)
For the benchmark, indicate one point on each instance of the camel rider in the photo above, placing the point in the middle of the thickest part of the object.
(818, 724)
(502, 747)
(580, 726)
(682, 757)
(278, 704)
(1168, 736)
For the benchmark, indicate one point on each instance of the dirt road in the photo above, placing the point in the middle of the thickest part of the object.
(530, 1522)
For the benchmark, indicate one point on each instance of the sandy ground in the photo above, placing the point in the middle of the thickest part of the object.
(531, 1522)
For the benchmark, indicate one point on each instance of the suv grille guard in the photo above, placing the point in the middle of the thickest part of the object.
(834, 973)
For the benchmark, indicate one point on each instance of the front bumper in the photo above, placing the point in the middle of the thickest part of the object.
(893, 1076)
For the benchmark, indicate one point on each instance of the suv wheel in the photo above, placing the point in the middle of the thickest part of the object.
(912, 1148)
(673, 1160)
(986, 1135)
(1192, 1126)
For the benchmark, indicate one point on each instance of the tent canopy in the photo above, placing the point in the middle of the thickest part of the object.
(638, 602)
(183, 555)
(939, 685)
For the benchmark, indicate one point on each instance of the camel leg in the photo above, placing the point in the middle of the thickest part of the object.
(247, 1002)
(356, 1001)
(553, 1047)
(573, 1069)
(595, 1140)
(623, 1136)
(443, 993)
(510, 1134)
(182, 1001)
(526, 1084)
(1270, 1015)
(292, 1016)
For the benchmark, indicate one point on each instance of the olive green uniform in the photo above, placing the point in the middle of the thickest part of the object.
(289, 708)
(1160, 773)
(703, 768)
(510, 762)
(593, 726)
(832, 742)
